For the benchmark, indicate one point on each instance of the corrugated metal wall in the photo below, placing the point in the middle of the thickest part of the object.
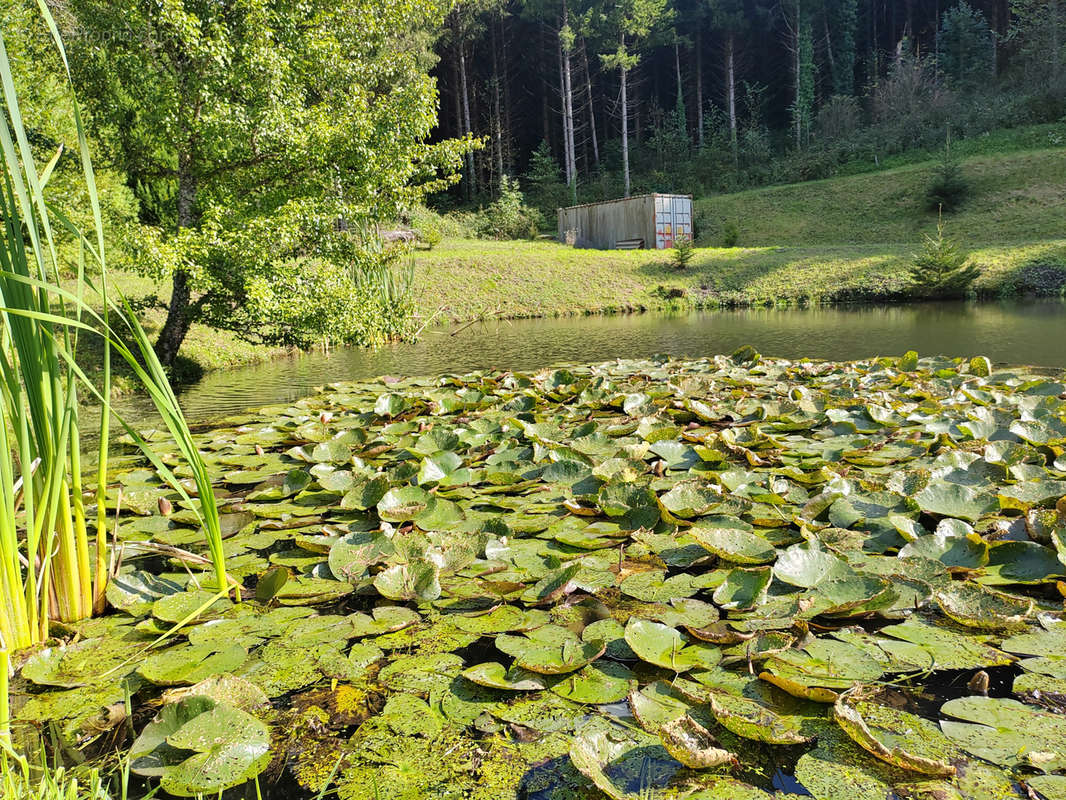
(654, 219)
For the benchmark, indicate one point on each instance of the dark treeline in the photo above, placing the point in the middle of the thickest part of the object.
(584, 100)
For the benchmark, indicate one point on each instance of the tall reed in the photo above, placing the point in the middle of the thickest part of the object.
(49, 566)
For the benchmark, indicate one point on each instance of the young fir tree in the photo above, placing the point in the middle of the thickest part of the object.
(942, 269)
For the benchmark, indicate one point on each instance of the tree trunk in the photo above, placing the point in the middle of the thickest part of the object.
(178, 320)
(680, 86)
(496, 109)
(592, 108)
(731, 92)
(796, 69)
(699, 86)
(833, 71)
(625, 131)
(505, 72)
(467, 129)
(568, 108)
(567, 139)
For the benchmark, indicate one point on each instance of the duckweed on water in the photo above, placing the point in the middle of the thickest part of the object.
(655, 579)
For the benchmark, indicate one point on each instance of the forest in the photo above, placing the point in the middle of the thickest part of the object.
(703, 96)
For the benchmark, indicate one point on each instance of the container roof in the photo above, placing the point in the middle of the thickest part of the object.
(625, 200)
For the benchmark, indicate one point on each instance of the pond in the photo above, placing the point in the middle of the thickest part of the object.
(1021, 332)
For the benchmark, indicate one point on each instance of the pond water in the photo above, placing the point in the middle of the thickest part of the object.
(1022, 332)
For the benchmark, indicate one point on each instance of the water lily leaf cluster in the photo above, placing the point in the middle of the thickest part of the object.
(636, 579)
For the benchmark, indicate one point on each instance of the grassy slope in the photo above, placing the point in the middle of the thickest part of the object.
(839, 239)
(1017, 197)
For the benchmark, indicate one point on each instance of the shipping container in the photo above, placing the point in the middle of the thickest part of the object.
(653, 221)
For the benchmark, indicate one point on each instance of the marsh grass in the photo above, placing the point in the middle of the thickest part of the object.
(51, 566)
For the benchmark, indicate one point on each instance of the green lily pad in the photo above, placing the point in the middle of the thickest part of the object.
(753, 720)
(600, 683)
(663, 646)
(737, 546)
(623, 763)
(954, 500)
(197, 746)
(551, 650)
(896, 737)
(495, 676)
(192, 664)
(1007, 732)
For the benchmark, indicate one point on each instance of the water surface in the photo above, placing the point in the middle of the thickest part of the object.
(1022, 332)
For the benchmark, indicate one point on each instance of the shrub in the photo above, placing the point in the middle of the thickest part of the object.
(509, 217)
(942, 269)
(838, 119)
(949, 187)
(730, 234)
(683, 251)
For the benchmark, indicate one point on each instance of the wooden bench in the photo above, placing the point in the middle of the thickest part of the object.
(629, 244)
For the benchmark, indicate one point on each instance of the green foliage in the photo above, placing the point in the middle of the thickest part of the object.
(683, 251)
(967, 47)
(942, 269)
(948, 188)
(508, 217)
(839, 118)
(243, 109)
(1038, 30)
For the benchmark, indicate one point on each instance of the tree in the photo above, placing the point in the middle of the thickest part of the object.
(840, 21)
(240, 110)
(1039, 30)
(728, 16)
(800, 45)
(967, 47)
(630, 22)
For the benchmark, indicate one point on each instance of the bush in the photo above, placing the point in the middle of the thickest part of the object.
(942, 269)
(730, 234)
(683, 251)
(509, 217)
(949, 188)
(838, 119)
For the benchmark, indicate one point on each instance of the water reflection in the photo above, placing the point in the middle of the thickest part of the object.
(1030, 332)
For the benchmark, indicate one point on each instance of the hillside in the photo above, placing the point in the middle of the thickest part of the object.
(1016, 197)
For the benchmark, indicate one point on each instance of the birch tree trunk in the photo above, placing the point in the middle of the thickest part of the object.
(467, 129)
(731, 92)
(699, 86)
(592, 107)
(625, 127)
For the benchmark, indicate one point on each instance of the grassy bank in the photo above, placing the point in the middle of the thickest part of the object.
(468, 279)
